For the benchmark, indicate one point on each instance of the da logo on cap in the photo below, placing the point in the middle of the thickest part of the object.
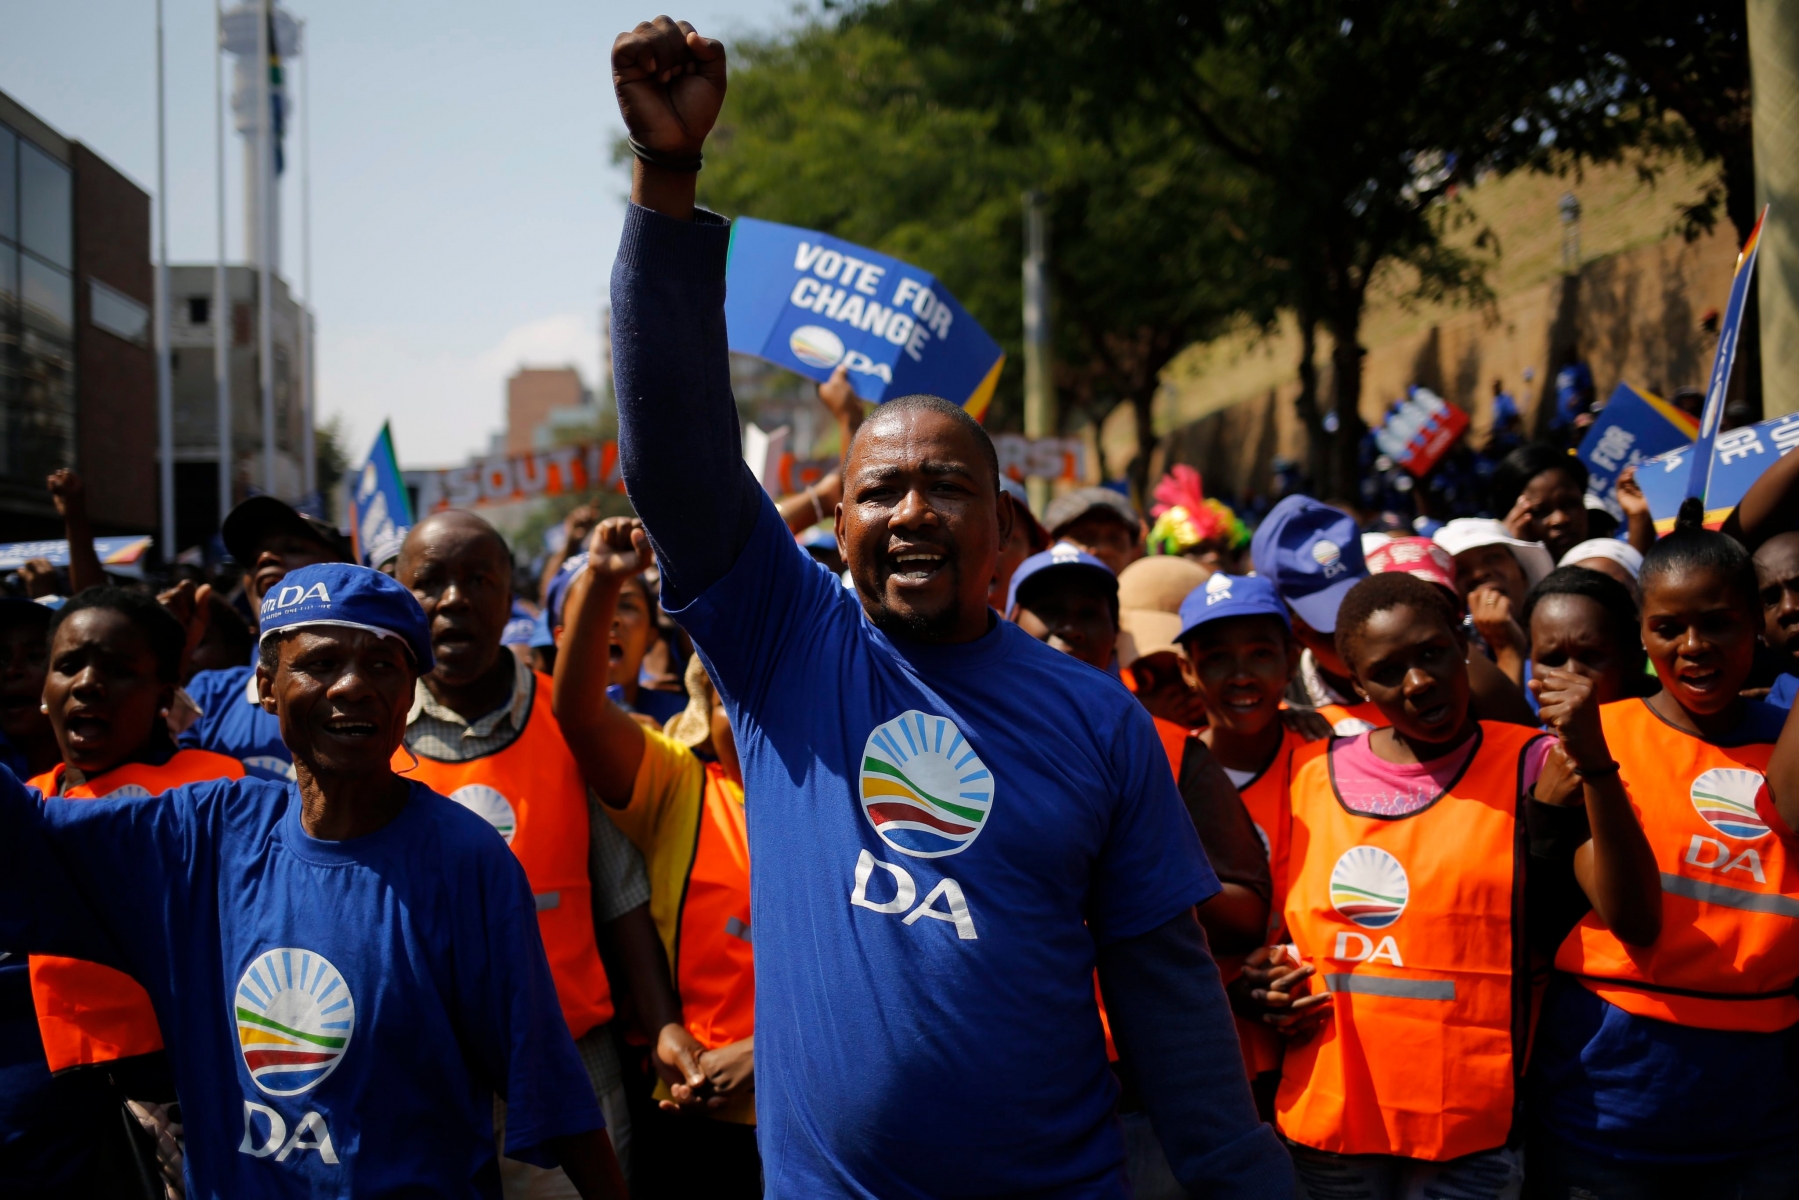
(1218, 588)
(294, 1020)
(924, 789)
(1325, 553)
(488, 804)
(1369, 887)
(1725, 798)
(815, 346)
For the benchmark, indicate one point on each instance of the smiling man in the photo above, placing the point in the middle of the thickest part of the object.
(345, 967)
(268, 539)
(950, 823)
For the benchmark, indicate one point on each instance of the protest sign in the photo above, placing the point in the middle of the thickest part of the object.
(807, 301)
(380, 507)
(1712, 416)
(1739, 456)
(1633, 425)
(119, 555)
(1419, 430)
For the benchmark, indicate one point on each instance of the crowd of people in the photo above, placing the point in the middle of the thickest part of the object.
(964, 852)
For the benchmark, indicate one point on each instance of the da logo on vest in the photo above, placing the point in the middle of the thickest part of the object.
(1724, 797)
(295, 1016)
(128, 791)
(490, 806)
(924, 789)
(269, 765)
(1369, 887)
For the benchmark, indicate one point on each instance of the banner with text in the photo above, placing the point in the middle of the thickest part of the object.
(1739, 456)
(119, 555)
(1631, 427)
(1712, 416)
(807, 301)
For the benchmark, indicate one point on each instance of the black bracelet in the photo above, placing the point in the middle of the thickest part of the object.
(1597, 772)
(668, 162)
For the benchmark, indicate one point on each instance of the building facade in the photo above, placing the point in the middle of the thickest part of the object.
(532, 394)
(77, 373)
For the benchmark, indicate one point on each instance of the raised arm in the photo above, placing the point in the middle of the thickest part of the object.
(819, 501)
(606, 742)
(1770, 506)
(1617, 869)
(70, 494)
(1783, 774)
(679, 444)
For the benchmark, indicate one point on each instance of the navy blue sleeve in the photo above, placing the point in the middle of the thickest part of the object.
(1151, 867)
(1174, 1032)
(511, 1015)
(679, 444)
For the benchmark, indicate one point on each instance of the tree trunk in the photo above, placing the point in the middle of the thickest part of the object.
(1317, 443)
(1346, 396)
(1143, 402)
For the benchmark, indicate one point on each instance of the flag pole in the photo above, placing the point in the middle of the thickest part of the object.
(165, 388)
(265, 182)
(221, 295)
(309, 457)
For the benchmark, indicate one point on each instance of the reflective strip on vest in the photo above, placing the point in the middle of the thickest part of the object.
(1729, 897)
(88, 1013)
(1392, 912)
(533, 795)
(1729, 947)
(1386, 985)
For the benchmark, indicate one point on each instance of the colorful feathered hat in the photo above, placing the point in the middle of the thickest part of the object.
(1185, 517)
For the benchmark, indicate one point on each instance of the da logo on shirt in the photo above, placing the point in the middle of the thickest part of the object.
(1369, 887)
(490, 806)
(1725, 798)
(295, 1016)
(924, 789)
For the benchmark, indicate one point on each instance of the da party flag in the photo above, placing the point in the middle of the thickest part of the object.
(1633, 426)
(1739, 456)
(380, 507)
(807, 301)
(1713, 414)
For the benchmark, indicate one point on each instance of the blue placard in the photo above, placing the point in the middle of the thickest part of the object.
(1713, 414)
(119, 555)
(380, 506)
(807, 301)
(1631, 427)
(1739, 456)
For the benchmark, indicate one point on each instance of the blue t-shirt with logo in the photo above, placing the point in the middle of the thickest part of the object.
(940, 836)
(232, 723)
(339, 1015)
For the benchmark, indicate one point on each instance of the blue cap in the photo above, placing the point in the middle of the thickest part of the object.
(1062, 555)
(1312, 553)
(353, 597)
(1223, 596)
(558, 589)
(541, 634)
(518, 626)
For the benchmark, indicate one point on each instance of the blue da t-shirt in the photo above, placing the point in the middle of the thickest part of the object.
(339, 1015)
(940, 835)
(231, 722)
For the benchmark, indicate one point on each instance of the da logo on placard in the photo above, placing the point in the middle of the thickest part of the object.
(815, 346)
(1369, 887)
(488, 804)
(1724, 798)
(295, 1016)
(924, 789)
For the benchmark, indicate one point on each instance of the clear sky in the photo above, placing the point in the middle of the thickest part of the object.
(465, 209)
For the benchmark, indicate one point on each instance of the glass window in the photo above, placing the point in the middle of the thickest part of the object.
(9, 283)
(49, 297)
(199, 310)
(9, 185)
(45, 206)
(39, 429)
(118, 313)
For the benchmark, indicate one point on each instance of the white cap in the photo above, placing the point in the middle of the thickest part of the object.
(1622, 553)
(1373, 541)
(1471, 533)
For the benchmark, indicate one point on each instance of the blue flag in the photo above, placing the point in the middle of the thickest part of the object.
(1631, 427)
(1713, 414)
(807, 301)
(380, 506)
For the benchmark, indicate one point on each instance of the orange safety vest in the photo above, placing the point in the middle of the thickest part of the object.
(533, 794)
(1265, 797)
(1414, 924)
(88, 1013)
(1174, 742)
(1347, 720)
(1728, 953)
(715, 968)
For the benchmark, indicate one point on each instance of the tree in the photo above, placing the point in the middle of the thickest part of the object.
(850, 127)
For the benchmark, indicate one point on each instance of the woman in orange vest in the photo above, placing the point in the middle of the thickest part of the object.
(1406, 896)
(1667, 1070)
(115, 662)
(687, 818)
